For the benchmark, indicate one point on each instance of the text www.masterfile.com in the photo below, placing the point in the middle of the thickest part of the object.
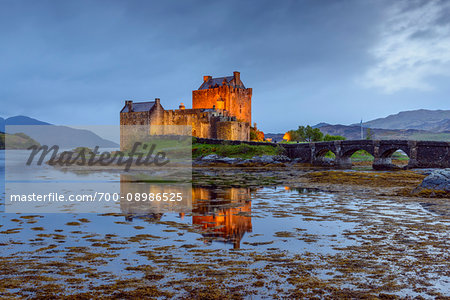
(96, 196)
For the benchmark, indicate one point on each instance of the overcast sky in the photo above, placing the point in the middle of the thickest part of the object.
(75, 62)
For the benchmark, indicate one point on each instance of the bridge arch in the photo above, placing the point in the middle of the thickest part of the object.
(358, 156)
(323, 152)
(322, 148)
(320, 156)
(395, 159)
(351, 151)
(386, 152)
(390, 151)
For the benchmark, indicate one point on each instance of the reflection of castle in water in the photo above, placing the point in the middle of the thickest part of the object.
(222, 214)
(131, 186)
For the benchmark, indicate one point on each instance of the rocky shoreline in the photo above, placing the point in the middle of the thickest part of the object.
(431, 183)
(397, 186)
(437, 182)
(241, 162)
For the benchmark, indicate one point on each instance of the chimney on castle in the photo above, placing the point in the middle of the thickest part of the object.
(237, 77)
(182, 106)
(129, 104)
(206, 78)
(157, 101)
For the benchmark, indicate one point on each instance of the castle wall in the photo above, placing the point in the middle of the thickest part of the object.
(236, 100)
(233, 130)
(200, 121)
(135, 118)
(205, 124)
(126, 132)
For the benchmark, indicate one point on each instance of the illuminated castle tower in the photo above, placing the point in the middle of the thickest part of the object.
(227, 93)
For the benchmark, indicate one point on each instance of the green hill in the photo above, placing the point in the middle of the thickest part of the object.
(16, 141)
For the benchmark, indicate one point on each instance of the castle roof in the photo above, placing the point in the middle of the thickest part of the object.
(218, 80)
(139, 106)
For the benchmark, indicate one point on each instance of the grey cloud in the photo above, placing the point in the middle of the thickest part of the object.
(64, 61)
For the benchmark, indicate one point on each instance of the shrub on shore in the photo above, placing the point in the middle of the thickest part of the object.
(241, 151)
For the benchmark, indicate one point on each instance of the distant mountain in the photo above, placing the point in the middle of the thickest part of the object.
(320, 125)
(23, 120)
(2, 125)
(276, 137)
(353, 132)
(422, 119)
(443, 126)
(422, 124)
(48, 134)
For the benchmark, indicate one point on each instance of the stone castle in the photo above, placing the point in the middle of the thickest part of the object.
(221, 109)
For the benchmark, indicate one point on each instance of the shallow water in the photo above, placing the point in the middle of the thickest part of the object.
(270, 241)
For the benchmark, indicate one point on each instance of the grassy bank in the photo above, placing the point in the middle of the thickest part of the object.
(241, 151)
(16, 141)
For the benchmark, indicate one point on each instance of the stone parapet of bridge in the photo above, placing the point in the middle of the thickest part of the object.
(422, 154)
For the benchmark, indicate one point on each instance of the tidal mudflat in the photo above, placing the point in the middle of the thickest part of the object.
(257, 233)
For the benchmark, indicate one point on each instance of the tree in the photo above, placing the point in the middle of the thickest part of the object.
(292, 135)
(305, 134)
(313, 134)
(369, 134)
(309, 134)
(301, 134)
(255, 134)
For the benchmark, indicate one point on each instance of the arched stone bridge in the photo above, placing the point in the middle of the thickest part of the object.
(422, 154)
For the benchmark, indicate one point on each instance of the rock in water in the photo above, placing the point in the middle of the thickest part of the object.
(265, 159)
(229, 160)
(281, 158)
(211, 157)
(438, 181)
